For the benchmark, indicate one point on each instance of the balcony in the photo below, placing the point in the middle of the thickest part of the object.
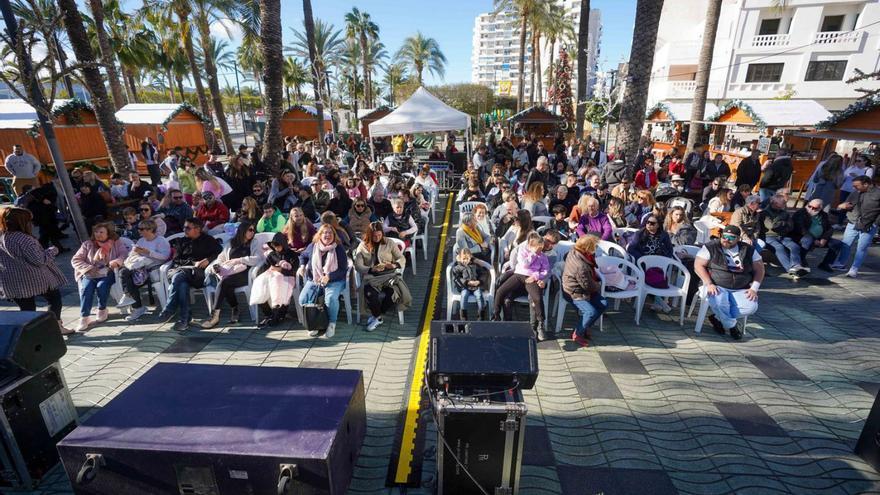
(682, 89)
(838, 40)
(770, 40)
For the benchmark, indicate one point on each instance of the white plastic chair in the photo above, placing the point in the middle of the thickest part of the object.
(685, 251)
(608, 248)
(542, 219)
(307, 181)
(423, 237)
(619, 232)
(630, 269)
(411, 250)
(562, 248)
(346, 293)
(703, 230)
(675, 273)
(211, 292)
(453, 295)
(358, 287)
(704, 308)
(467, 207)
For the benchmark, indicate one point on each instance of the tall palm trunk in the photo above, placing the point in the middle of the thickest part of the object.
(195, 75)
(368, 93)
(62, 64)
(704, 65)
(273, 64)
(540, 74)
(316, 86)
(534, 70)
(213, 85)
(550, 71)
(632, 115)
(179, 79)
(130, 81)
(520, 90)
(105, 112)
(107, 57)
(582, 48)
(170, 85)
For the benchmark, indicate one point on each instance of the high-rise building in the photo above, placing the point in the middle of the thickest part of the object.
(495, 55)
(763, 50)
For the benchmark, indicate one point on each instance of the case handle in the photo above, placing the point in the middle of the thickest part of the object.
(285, 479)
(89, 469)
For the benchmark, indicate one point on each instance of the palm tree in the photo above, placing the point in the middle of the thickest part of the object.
(632, 115)
(250, 59)
(543, 19)
(523, 8)
(106, 52)
(704, 66)
(311, 43)
(395, 76)
(295, 76)
(328, 42)
(420, 53)
(358, 25)
(273, 77)
(105, 111)
(207, 11)
(556, 30)
(583, 46)
(34, 12)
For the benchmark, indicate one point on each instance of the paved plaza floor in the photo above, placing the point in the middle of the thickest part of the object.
(647, 409)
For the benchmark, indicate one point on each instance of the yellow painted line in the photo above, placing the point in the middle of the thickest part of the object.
(410, 423)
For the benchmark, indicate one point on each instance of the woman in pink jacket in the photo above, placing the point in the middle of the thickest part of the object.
(529, 277)
(93, 268)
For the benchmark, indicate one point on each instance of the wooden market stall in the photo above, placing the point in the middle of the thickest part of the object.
(858, 125)
(667, 123)
(169, 124)
(370, 116)
(536, 120)
(741, 125)
(299, 120)
(76, 127)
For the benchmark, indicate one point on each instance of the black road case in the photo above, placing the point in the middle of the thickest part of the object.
(482, 434)
(222, 430)
(35, 413)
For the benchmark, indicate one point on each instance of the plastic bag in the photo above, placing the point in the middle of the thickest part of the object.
(260, 289)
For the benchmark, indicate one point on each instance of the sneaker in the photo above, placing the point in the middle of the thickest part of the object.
(655, 308)
(83, 324)
(102, 316)
(793, 270)
(163, 316)
(716, 324)
(125, 301)
(853, 273)
(372, 325)
(331, 330)
(802, 272)
(65, 330)
(664, 306)
(735, 332)
(579, 340)
(838, 266)
(180, 326)
(313, 333)
(136, 313)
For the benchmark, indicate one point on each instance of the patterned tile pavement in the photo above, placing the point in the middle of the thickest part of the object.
(651, 408)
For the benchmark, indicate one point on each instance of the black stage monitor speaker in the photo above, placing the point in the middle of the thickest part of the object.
(482, 354)
(222, 430)
(30, 341)
(868, 446)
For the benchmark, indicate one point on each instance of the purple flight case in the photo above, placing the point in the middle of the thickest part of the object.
(222, 430)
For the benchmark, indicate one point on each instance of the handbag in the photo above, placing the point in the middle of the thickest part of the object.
(656, 278)
(315, 315)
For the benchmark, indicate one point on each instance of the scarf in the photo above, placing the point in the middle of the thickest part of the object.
(330, 263)
(105, 248)
(473, 234)
(591, 260)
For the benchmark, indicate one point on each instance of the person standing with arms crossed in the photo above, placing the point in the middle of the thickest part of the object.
(24, 169)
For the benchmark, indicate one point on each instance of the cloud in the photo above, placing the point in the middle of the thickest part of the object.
(226, 29)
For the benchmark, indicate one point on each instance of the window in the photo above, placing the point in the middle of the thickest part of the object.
(826, 71)
(832, 23)
(764, 73)
(769, 26)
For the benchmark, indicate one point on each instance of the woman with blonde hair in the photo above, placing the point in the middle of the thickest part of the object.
(679, 227)
(380, 262)
(207, 182)
(93, 265)
(616, 213)
(250, 211)
(642, 204)
(299, 230)
(533, 200)
(581, 287)
(28, 270)
(324, 267)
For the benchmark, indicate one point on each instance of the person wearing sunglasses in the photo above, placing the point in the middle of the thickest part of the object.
(175, 210)
(812, 229)
(731, 272)
(150, 251)
(652, 240)
(146, 212)
(230, 272)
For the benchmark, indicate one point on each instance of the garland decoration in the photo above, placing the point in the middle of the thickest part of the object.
(180, 108)
(745, 107)
(561, 91)
(660, 106)
(71, 111)
(863, 105)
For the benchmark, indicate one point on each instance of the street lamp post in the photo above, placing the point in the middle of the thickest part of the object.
(240, 103)
(613, 72)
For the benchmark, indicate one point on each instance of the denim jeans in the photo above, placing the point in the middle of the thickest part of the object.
(787, 251)
(833, 246)
(312, 290)
(178, 296)
(588, 310)
(765, 195)
(477, 294)
(728, 305)
(87, 289)
(851, 235)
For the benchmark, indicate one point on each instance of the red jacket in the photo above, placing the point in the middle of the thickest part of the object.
(676, 168)
(213, 217)
(645, 180)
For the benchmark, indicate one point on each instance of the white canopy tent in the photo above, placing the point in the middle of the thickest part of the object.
(422, 112)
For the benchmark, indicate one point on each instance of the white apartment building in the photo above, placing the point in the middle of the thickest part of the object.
(495, 52)
(802, 49)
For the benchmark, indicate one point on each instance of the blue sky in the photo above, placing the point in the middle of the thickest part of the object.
(451, 24)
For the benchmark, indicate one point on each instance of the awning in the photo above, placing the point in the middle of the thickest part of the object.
(865, 136)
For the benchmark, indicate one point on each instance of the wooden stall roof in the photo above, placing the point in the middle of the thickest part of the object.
(771, 113)
(155, 113)
(857, 122)
(535, 115)
(667, 111)
(312, 112)
(365, 117)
